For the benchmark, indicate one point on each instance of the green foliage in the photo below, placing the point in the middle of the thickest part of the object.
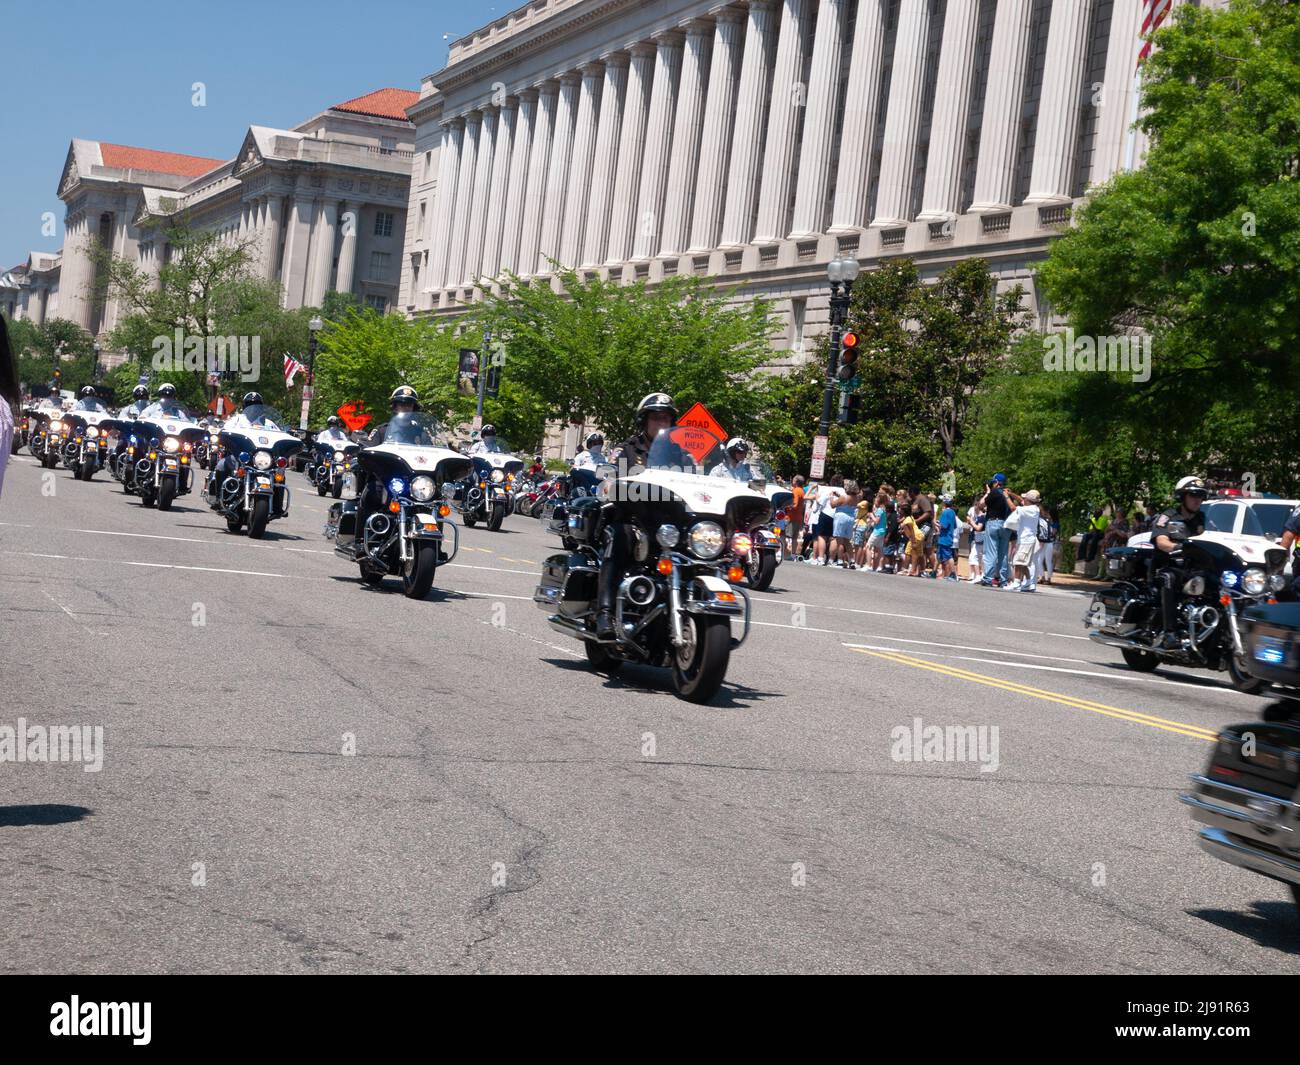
(36, 346)
(590, 352)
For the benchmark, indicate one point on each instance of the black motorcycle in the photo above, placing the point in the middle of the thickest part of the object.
(1215, 584)
(671, 607)
(248, 484)
(332, 467)
(411, 535)
(87, 448)
(160, 460)
(488, 494)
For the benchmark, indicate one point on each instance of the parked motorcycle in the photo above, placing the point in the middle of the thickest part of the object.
(412, 534)
(1215, 585)
(671, 608)
(250, 487)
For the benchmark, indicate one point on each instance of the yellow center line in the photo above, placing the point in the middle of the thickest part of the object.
(1134, 716)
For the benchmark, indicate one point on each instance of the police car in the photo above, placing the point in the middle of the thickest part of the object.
(1250, 525)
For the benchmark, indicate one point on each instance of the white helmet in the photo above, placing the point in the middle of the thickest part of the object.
(1192, 486)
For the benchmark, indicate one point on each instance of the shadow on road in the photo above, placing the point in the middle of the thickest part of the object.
(44, 814)
(1269, 923)
(650, 680)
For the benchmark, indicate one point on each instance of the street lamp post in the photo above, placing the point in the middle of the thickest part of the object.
(842, 272)
(98, 371)
(314, 326)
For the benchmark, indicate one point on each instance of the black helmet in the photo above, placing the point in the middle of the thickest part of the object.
(252, 399)
(167, 391)
(594, 440)
(139, 392)
(86, 391)
(488, 430)
(736, 444)
(655, 401)
(332, 421)
(404, 394)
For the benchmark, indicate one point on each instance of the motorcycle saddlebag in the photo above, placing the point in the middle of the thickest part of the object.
(347, 521)
(1125, 563)
(550, 589)
(1271, 634)
(581, 518)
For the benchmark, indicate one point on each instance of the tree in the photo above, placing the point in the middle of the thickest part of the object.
(591, 351)
(36, 347)
(1199, 250)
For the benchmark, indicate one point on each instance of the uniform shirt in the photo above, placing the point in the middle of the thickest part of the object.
(163, 410)
(486, 447)
(333, 437)
(1292, 525)
(740, 471)
(1195, 524)
(590, 459)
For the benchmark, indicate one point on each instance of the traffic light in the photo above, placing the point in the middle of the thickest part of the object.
(58, 379)
(848, 370)
(850, 405)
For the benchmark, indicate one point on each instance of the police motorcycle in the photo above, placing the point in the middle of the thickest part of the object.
(208, 447)
(765, 549)
(247, 485)
(410, 534)
(44, 422)
(487, 494)
(671, 607)
(160, 446)
(331, 459)
(89, 424)
(1215, 586)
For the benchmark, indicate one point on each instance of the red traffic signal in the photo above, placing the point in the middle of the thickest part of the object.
(848, 357)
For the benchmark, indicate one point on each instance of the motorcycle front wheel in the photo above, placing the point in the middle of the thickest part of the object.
(417, 572)
(258, 517)
(166, 493)
(1243, 681)
(337, 490)
(760, 571)
(496, 517)
(700, 664)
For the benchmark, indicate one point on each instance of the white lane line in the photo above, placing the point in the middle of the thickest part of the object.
(70, 614)
(787, 603)
(494, 569)
(489, 595)
(1054, 669)
(1039, 632)
(164, 565)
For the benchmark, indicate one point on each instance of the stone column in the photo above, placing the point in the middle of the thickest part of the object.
(578, 200)
(819, 120)
(605, 161)
(715, 147)
(75, 272)
(297, 241)
(788, 95)
(1108, 156)
(517, 182)
(903, 120)
(747, 135)
(683, 167)
(453, 134)
(995, 170)
(1056, 142)
(557, 179)
(322, 252)
(496, 209)
(350, 222)
(861, 104)
(952, 99)
(539, 162)
(658, 145)
(478, 204)
(631, 149)
(271, 237)
(464, 195)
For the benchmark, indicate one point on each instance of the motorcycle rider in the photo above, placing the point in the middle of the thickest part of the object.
(87, 400)
(370, 493)
(594, 455)
(404, 400)
(1168, 533)
(139, 402)
(734, 462)
(333, 435)
(166, 406)
(487, 442)
(227, 465)
(654, 414)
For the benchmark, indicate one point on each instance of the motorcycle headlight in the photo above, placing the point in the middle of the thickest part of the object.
(56, 427)
(212, 438)
(262, 460)
(338, 456)
(172, 444)
(707, 539)
(92, 432)
(1254, 581)
(498, 476)
(422, 489)
(1276, 582)
(667, 535)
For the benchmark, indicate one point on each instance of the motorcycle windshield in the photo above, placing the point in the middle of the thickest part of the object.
(91, 405)
(415, 429)
(170, 411)
(685, 449)
(261, 416)
(494, 445)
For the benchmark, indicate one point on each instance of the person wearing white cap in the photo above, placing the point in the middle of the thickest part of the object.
(1025, 520)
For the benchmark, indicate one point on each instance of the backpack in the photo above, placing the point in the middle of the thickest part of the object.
(1044, 532)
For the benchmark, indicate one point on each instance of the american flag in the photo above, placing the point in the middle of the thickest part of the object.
(1154, 12)
(292, 367)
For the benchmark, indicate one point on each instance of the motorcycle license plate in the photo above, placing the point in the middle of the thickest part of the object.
(264, 482)
(425, 519)
(170, 464)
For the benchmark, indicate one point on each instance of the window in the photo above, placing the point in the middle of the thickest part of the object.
(384, 223)
(428, 164)
(1265, 519)
(386, 145)
(1221, 517)
(378, 303)
(379, 265)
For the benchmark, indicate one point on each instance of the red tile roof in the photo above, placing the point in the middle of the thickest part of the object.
(382, 103)
(119, 155)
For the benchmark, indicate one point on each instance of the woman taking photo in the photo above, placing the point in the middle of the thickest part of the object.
(8, 398)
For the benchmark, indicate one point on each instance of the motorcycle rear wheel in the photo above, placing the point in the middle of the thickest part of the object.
(320, 488)
(1141, 661)
(470, 520)
(417, 573)
(372, 577)
(700, 665)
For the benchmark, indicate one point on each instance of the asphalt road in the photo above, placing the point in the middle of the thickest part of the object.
(507, 810)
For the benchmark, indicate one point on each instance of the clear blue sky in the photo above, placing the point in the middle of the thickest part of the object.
(121, 71)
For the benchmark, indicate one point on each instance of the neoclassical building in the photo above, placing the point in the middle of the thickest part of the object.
(31, 289)
(323, 205)
(754, 141)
